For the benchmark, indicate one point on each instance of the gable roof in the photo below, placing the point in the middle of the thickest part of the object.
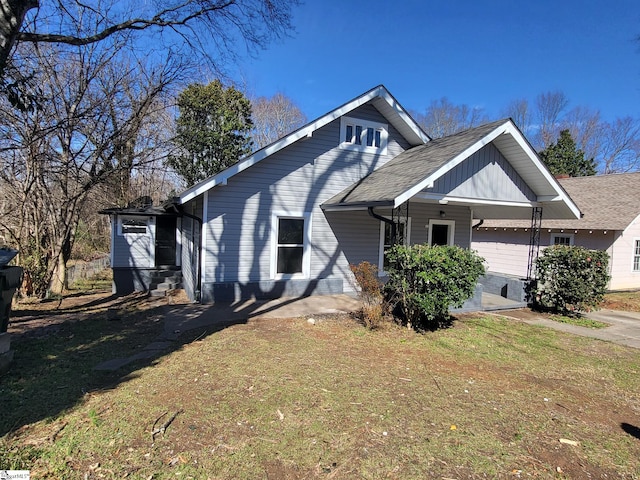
(408, 171)
(418, 168)
(379, 97)
(608, 202)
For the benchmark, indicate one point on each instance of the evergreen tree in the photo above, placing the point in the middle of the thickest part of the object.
(212, 130)
(564, 158)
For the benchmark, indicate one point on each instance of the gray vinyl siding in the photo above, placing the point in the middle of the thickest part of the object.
(485, 175)
(133, 250)
(421, 214)
(293, 181)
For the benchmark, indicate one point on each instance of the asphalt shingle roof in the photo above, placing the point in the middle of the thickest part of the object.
(608, 202)
(409, 168)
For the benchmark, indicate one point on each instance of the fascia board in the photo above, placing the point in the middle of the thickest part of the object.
(548, 176)
(306, 131)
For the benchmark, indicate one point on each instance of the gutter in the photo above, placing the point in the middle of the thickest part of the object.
(385, 220)
(478, 224)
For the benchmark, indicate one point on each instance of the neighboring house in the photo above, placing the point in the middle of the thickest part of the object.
(611, 221)
(289, 219)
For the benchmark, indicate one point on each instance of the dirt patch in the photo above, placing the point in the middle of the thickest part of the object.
(39, 318)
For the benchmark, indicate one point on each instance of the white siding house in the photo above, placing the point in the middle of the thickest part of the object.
(611, 222)
(289, 219)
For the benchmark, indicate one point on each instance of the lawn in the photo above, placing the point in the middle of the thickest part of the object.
(285, 399)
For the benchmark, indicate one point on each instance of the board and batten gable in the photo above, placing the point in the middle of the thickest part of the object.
(485, 175)
(291, 182)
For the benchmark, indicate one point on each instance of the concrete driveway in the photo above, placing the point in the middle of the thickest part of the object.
(623, 329)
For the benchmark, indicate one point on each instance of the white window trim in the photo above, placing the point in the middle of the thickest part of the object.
(633, 255)
(132, 217)
(437, 221)
(552, 239)
(407, 241)
(384, 136)
(306, 249)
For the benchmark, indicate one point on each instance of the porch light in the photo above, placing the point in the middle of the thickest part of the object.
(442, 214)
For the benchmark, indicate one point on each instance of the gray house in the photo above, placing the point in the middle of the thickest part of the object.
(290, 218)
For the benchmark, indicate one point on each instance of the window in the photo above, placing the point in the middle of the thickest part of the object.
(636, 256)
(403, 228)
(362, 135)
(561, 239)
(289, 254)
(132, 225)
(441, 232)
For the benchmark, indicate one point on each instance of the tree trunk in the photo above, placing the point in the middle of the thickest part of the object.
(12, 14)
(59, 278)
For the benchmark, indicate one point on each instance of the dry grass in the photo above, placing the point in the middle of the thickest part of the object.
(627, 301)
(283, 399)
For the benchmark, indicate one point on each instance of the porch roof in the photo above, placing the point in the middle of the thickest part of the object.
(407, 176)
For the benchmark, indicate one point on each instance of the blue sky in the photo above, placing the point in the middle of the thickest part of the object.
(481, 53)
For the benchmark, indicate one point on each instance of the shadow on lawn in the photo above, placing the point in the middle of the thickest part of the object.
(631, 430)
(55, 356)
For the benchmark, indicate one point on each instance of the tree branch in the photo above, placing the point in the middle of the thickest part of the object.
(158, 20)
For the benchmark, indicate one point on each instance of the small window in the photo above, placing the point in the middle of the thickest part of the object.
(370, 137)
(349, 134)
(403, 227)
(636, 256)
(358, 137)
(561, 239)
(133, 226)
(363, 136)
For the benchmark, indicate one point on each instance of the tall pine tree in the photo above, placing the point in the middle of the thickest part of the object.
(564, 158)
(212, 130)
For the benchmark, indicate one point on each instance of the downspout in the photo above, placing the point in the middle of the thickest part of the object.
(385, 220)
(196, 290)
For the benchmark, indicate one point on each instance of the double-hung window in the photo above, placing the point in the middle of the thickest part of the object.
(290, 256)
(636, 256)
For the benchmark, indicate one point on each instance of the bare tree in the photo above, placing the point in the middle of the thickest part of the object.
(549, 109)
(520, 112)
(620, 150)
(198, 22)
(585, 126)
(85, 132)
(444, 118)
(274, 118)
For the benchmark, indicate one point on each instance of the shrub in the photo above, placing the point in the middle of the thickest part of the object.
(370, 292)
(571, 278)
(426, 281)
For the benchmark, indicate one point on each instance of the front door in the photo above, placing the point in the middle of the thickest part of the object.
(165, 241)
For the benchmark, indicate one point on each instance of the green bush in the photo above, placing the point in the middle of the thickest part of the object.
(426, 281)
(571, 279)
